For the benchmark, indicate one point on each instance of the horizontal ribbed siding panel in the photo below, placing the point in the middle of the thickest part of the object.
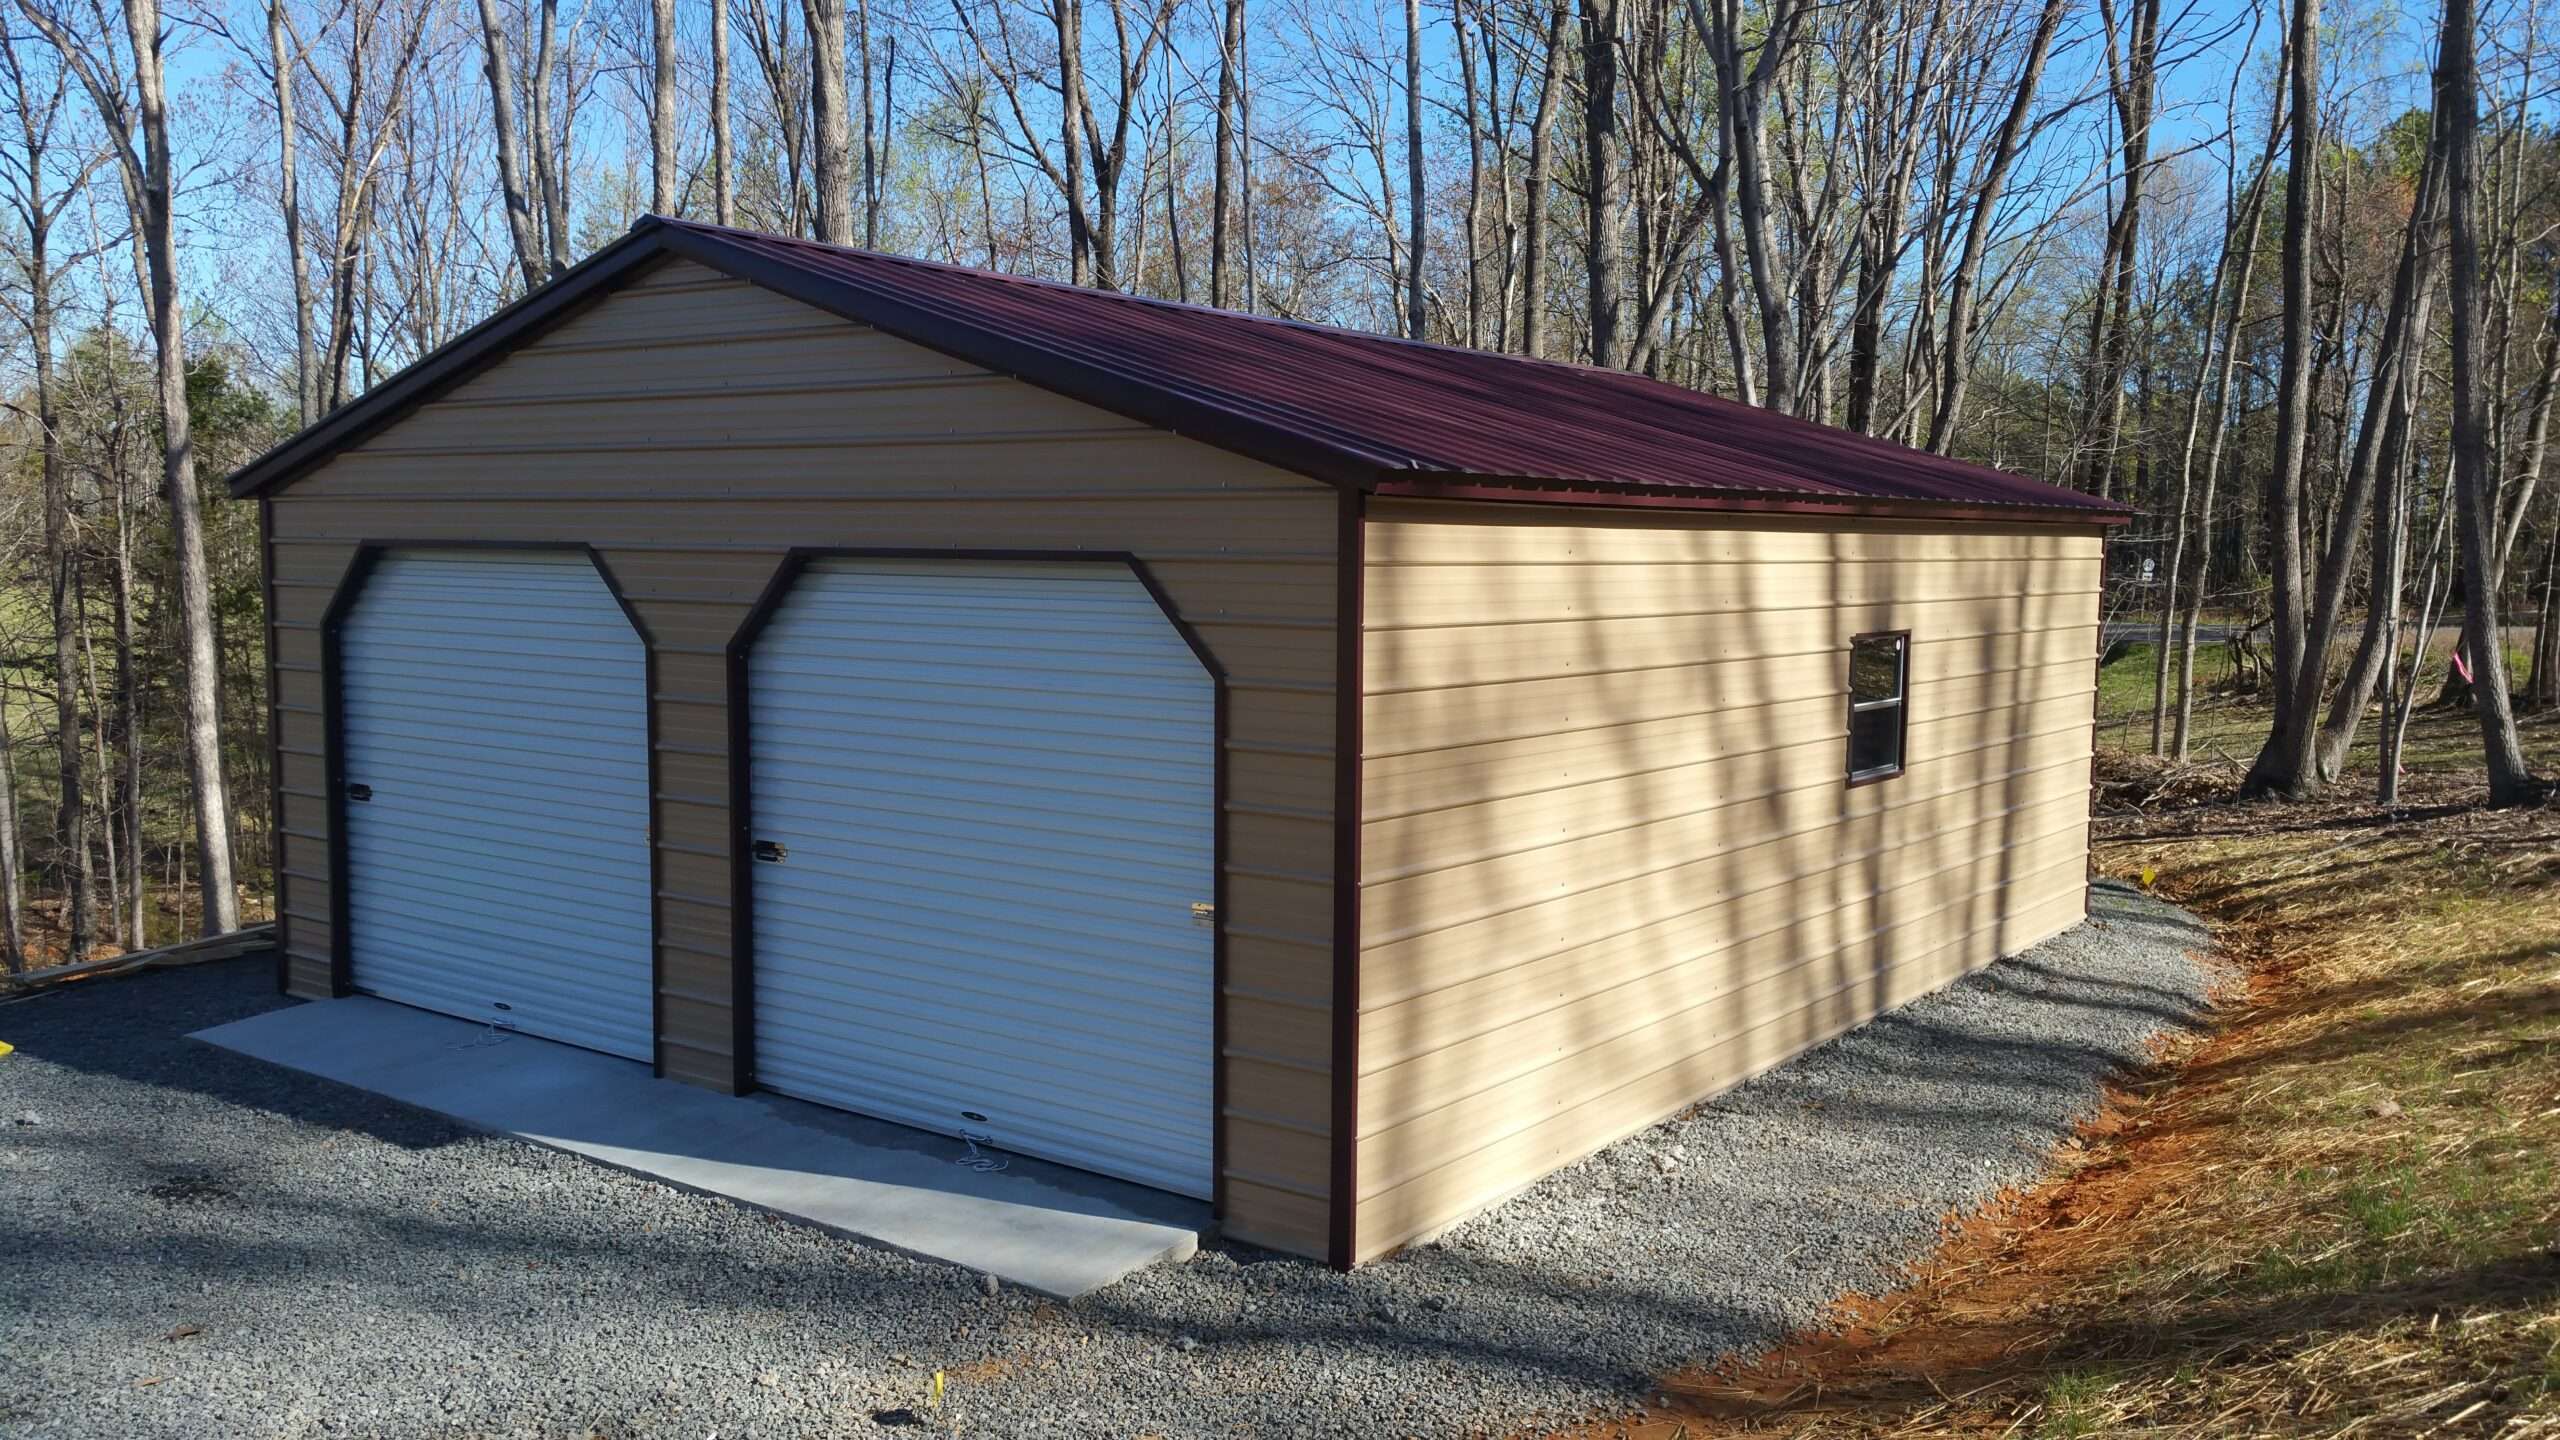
(495, 705)
(995, 786)
(1610, 860)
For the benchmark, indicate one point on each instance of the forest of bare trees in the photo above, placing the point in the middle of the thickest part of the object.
(2286, 278)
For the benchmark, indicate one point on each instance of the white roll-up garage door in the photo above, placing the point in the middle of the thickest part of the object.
(982, 801)
(496, 732)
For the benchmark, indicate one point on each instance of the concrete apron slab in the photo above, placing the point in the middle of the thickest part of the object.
(1044, 1227)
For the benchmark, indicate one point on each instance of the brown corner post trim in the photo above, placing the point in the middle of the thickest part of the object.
(649, 721)
(2097, 691)
(1343, 1193)
(275, 744)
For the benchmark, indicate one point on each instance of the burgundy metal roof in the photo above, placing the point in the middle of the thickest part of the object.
(1382, 413)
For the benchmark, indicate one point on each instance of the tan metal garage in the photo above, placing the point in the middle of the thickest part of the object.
(1342, 777)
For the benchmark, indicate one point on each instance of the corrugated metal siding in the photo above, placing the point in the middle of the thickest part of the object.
(693, 515)
(1610, 863)
(995, 786)
(496, 712)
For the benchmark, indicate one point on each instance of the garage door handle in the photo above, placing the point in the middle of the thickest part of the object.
(359, 792)
(770, 850)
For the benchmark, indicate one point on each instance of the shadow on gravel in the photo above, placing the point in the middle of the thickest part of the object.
(1820, 1175)
(98, 1027)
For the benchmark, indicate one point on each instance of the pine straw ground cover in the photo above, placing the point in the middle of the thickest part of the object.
(2336, 1215)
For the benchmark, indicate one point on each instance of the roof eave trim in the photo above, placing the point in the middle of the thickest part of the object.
(1752, 502)
(451, 363)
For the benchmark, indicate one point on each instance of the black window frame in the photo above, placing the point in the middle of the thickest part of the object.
(1851, 708)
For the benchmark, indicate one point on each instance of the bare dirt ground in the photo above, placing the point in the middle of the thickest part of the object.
(2336, 1215)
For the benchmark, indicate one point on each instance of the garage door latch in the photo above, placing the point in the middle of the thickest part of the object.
(770, 850)
(359, 792)
(1203, 910)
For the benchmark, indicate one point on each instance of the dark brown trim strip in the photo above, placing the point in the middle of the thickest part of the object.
(1740, 502)
(742, 879)
(333, 739)
(1350, 588)
(2097, 692)
(649, 720)
(1219, 710)
(274, 747)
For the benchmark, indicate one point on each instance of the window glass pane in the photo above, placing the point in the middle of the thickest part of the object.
(1875, 669)
(1875, 740)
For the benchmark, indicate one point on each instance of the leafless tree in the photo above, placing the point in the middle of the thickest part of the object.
(831, 120)
(137, 124)
(724, 184)
(38, 200)
(662, 106)
(2457, 96)
(2282, 765)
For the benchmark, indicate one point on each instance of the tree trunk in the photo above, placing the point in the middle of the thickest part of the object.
(1417, 243)
(2542, 692)
(724, 185)
(108, 810)
(876, 126)
(1222, 207)
(129, 717)
(1607, 180)
(289, 199)
(2385, 563)
(662, 106)
(524, 226)
(550, 164)
(1742, 91)
(1533, 225)
(829, 109)
(1470, 104)
(62, 563)
(2400, 701)
(2293, 419)
(2111, 318)
(2457, 101)
(13, 931)
(2517, 499)
(139, 136)
(2174, 573)
(1069, 18)
(2245, 235)
(1955, 364)
(201, 707)
(2317, 745)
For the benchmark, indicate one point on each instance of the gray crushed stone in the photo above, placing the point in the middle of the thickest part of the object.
(193, 1243)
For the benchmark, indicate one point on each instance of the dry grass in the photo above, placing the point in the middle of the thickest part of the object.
(2335, 1216)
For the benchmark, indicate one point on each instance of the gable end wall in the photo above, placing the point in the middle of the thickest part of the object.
(694, 429)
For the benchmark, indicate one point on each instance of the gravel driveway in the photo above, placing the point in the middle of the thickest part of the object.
(193, 1243)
